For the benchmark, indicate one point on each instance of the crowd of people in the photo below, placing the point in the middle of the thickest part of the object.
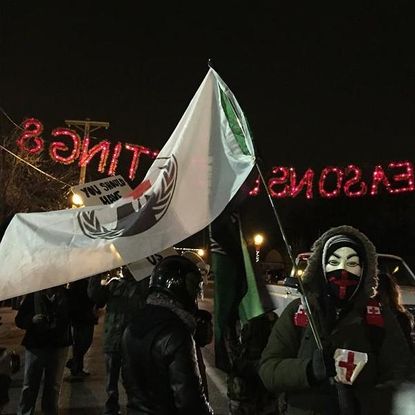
(344, 347)
(59, 322)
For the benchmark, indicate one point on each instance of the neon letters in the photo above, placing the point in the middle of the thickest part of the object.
(71, 147)
(284, 182)
(334, 181)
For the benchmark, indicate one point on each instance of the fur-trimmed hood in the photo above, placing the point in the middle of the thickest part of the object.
(313, 277)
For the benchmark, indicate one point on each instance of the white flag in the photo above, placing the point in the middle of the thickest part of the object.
(197, 172)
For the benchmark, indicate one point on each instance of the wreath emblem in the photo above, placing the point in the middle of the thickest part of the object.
(152, 206)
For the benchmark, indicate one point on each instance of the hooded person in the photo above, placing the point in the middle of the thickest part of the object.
(160, 369)
(365, 356)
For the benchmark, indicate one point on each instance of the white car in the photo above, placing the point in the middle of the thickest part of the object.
(286, 290)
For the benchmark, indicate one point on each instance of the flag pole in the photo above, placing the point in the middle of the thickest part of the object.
(290, 254)
(288, 246)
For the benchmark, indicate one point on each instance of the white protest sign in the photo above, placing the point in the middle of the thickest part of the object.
(142, 269)
(103, 191)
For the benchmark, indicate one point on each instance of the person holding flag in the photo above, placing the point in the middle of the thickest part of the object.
(239, 295)
(363, 356)
(230, 284)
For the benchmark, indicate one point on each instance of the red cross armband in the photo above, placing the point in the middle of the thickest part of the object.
(300, 317)
(349, 364)
(374, 315)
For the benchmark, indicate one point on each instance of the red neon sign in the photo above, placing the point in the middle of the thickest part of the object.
(32, 130)
(74, 148)
(285, 182)
(396, 177)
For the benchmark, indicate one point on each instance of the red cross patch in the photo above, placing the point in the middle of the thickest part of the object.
(300, 317)
(374, 315)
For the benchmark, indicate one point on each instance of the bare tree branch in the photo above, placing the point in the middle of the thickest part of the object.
(24, 189)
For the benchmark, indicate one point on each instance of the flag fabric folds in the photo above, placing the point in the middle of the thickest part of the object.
(230, 284)
(251, 305)
(238, 296)
(198, 171)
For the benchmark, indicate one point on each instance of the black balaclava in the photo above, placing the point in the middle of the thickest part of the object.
(342, 283)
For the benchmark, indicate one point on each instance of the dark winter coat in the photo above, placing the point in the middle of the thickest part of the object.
(81, 307)
(123, 298)
(56, 331)
(286, 360)
(245, 388)
(160, 370)
(5, 379)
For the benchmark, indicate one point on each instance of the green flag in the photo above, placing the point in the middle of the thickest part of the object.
(251, 305)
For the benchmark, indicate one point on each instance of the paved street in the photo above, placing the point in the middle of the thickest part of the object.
(87, 397)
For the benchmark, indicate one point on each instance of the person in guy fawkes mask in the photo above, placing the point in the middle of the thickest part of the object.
(365, 357)
(343, 261)
(160, 370)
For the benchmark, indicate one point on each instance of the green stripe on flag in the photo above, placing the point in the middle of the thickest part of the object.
(251, 304)
(234, 122)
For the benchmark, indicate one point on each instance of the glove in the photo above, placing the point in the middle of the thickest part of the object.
(39, 318)
(321, 366)
(41, 321)
(204, 328)
(115, 285)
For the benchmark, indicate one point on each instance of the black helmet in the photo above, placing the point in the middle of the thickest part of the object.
(177, 277)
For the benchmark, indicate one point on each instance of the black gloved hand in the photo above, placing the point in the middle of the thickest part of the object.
(41, 322)
(321, 366)
(204, 328)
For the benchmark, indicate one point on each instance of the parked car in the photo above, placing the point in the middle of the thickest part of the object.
(287, 290)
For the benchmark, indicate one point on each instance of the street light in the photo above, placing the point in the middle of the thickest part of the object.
(258, 240)
(77, 200)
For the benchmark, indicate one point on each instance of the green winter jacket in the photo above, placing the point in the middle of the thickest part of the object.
(285, 361)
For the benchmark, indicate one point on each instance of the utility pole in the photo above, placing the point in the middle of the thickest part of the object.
(87, 126)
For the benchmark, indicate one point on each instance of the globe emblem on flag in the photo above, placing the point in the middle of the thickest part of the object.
(151, 200)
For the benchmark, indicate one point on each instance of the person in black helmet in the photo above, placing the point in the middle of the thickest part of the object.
(160, 371)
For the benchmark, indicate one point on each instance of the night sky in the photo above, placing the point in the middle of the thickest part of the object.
(319, 86)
